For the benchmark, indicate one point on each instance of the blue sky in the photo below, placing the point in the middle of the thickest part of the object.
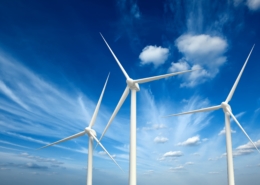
(54, 65)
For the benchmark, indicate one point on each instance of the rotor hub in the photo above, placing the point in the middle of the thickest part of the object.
(132, 85)
(226, 107)
(90, 131)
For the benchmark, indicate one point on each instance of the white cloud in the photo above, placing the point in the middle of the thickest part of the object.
(195, 47)
(191, 141)
(253, 4)
(203, 51)
(249, 146)
(213, 172)
(215, 159)
(223, 131)
(159, 139)
(153, 54)
(155, 127)
(102, 153)
(41, 159)
(179, 66)
(196, 77)
(160, 159)
(159, 126)
(177, 168)
(195, 154)
(173, 154)
(242, 152)
(245, 149)
(148, 172)
(189, 163)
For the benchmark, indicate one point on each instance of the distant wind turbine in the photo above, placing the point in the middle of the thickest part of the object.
(92, 135)
(132, 85)
(227, 112)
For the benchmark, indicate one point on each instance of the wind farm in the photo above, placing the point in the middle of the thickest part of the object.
(92, 135)
(167, 56)
(228, 113)
(132, 85)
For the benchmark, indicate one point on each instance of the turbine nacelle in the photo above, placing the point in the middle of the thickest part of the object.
(132, 85)
(90, 131)
(226, 107)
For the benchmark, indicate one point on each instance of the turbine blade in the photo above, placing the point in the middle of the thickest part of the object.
(195, 111)
(93, 119)
(238, 78)
(242, 129)
(105, 150)
(65, 139)
(120, 103)
(144, 80)
(121, 67)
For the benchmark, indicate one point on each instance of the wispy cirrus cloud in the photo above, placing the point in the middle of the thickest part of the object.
(42, 105)
(43, 143)
(13, 144)
(42, 108)
(130, 17)
(9, 93)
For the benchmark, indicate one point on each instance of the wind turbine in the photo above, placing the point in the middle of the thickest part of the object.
(132, 85)
(92, 135)
(227, 112)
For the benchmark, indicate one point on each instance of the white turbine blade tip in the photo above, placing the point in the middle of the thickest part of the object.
(196, 111)
(93, 119)
(149, 79)
(106, 151)
(65, 139)
(230, 95)
(239, 125)
(118, 62)
(120, 103)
